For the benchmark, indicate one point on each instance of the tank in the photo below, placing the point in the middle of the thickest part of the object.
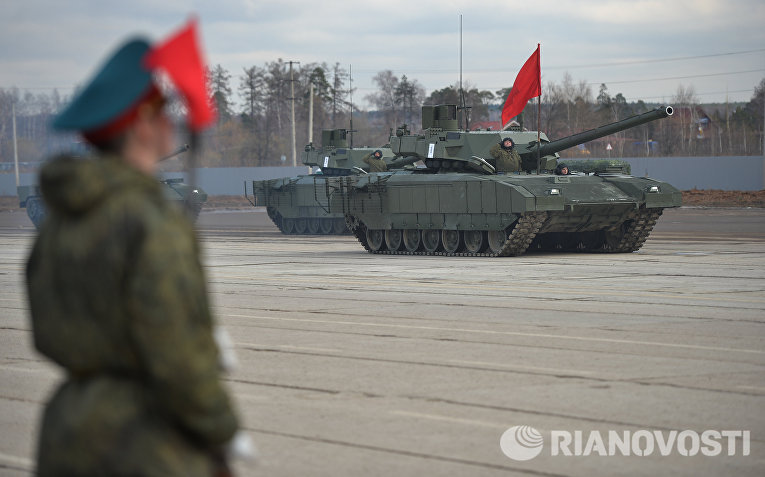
(175, 190)
(31, 199)
(298, 205)
(192, 198)
(454, 203)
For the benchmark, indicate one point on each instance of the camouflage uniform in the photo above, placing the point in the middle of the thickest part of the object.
(506, 161)
(375, 165)
(118, 299)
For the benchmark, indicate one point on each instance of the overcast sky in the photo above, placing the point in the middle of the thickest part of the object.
(643, 49)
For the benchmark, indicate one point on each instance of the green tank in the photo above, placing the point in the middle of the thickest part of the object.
(31, 200)
(298, 205)
(187, 196)
(454, 203)
(192, 198)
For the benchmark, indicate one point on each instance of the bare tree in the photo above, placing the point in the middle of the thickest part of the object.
(685, 102)
(221, 91)
(385, 97)
(339, 93)
(252, 91)
(410, 95)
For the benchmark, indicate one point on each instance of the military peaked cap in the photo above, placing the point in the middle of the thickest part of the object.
(117, 86)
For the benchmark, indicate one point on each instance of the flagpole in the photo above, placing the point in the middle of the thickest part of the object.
(539, 110)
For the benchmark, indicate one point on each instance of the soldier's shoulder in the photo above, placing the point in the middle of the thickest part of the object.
(143, 206)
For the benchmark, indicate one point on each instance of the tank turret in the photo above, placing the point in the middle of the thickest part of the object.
(335, 158)
(444, 148)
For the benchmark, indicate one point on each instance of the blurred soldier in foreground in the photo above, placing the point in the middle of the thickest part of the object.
(118, 297)
(375, 161)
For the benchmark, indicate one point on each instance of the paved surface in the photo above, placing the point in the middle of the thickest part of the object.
(358, 364)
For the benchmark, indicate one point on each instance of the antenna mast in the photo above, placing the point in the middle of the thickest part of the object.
(462, 97)
(463, 106)
(350, 92)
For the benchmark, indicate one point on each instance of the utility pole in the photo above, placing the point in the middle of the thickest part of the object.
(310, 119)
(292, 102)
(15, 146)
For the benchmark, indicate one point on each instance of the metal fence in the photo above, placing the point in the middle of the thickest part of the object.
(725, 173)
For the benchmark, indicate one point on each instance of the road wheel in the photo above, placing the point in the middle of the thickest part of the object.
(475, 241)
(393, 239)
(301, 225)
(412, 240)
(431, 240)
(496, 240)
(338, 226)
(313, 225)
(452, 240)
(325, 226)
(288, 225)
(375, 239)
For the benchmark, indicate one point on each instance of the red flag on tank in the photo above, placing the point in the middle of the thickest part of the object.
(528, 84)
(180, 57)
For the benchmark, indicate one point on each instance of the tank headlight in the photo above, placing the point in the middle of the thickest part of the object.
(654, 189)
(195, 191)
(554, 191)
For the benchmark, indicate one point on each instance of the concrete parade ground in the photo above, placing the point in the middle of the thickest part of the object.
(353, 364)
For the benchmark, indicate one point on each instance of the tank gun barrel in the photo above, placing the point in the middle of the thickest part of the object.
(580, 138)
(403, 161)
(180, 150)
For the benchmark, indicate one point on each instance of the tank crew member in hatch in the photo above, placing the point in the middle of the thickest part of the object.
(562, 170)
(375, 161)
(505, 156)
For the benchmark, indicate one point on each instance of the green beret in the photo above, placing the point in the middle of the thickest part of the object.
(117, 86)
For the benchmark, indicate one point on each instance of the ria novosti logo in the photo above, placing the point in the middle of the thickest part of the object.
(521, 442)
(524, 443)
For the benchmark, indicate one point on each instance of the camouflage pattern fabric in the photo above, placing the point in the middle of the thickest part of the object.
(375, 165)
(118, 299)
(506, 161)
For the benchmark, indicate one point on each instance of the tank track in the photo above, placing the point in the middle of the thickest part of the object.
(276, 218)
(36, 211)
(635, 232)
(518, 238)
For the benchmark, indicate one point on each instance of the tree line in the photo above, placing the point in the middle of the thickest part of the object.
(254, 107)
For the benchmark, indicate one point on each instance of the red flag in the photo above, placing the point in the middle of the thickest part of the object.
(180, 57)
(528, 84)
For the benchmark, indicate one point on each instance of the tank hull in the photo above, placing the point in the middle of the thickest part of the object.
(192, 199)
(500, 215)
(299, 205)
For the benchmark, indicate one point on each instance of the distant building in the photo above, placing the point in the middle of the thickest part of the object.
(696, 116)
